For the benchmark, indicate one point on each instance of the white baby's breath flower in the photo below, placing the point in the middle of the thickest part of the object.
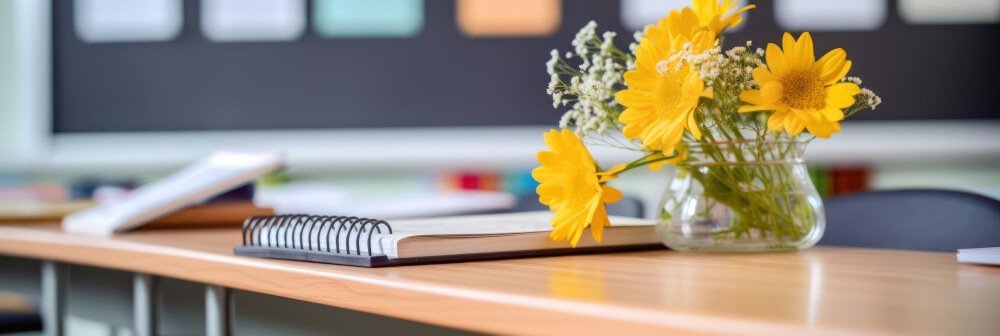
(735, 51)
(874, 102)
(566, 119)
(608, 42)
(550, 65)
(586, 34)
(870, 98)
(663, 66)
(553, 84)
(588, 85)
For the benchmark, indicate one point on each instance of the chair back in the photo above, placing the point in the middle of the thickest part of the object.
(913, 219)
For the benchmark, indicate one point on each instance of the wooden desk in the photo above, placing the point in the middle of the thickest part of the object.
(820, 291)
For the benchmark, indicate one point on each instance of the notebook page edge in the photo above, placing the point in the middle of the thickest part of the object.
(513, 223)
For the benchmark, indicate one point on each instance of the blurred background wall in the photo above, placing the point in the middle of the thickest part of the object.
(391, 95)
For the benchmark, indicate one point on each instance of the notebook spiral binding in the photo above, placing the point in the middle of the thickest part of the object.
(299, 229)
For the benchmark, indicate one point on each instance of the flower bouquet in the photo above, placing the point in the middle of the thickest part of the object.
(734, 122)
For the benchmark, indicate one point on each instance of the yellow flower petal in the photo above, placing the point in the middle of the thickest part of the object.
(655, 166)
(776, 60)
(796, 126)
(790, 51)
(612, 173)
(830, 65)
(736, 17)
(841, 74)
(804, 46)
(632, 115)
(679, 155)
(807, 116)
(751, 96)
(833, 114)
(820, 129)
(692, 126)
(672, 136)
(846, 89)
(761, 75)
(611, 195)
(771, 92)
(599, 222)
(776, 121)
(755, 108)
(839, 101)
(640, 79)
(633, 98)
(631, 131)
(544, 157)
(716, 16)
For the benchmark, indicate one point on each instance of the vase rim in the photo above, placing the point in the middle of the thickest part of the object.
(743, 142)
(777, 151)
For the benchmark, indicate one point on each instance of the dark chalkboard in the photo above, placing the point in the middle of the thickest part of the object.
(443, 78)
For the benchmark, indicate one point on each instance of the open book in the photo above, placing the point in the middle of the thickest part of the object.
(984, 255)
(372, 243)
(221, 172)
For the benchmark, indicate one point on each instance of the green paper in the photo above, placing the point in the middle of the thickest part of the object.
(361, 18)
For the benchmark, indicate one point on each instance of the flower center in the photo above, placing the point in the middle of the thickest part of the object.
(802, 89)
(669, 92)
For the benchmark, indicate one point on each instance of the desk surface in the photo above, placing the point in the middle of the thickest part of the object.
(821, 290)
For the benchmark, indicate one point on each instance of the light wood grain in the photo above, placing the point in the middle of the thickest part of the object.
(817, 291)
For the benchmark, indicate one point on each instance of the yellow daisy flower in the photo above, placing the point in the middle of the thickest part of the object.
(682, 22)
(803, 93)
(663, 92)
(715, 15)
(571, 185)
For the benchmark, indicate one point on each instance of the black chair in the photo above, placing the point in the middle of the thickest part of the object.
(913, 219)
(19, 322)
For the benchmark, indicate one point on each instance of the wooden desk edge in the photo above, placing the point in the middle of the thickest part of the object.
(461, 308)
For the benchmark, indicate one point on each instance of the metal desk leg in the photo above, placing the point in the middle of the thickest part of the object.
(53, 297)
(144, 305)
(216, 311)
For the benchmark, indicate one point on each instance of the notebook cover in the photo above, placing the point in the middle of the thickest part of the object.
(383, 261)
(209, 215)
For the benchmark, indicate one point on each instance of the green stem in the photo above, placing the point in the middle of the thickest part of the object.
(643, 161)
(760, 191)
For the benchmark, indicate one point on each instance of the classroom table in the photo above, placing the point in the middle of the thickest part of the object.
(822, 290)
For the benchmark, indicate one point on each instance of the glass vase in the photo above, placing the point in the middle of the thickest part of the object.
(742, 197)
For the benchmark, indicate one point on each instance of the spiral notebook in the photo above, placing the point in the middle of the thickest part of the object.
(375, 243)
